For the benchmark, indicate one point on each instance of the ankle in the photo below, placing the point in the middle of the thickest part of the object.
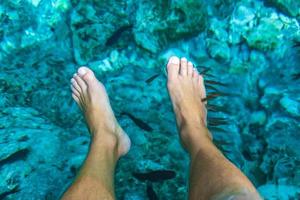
(105, 141)
(194, 137)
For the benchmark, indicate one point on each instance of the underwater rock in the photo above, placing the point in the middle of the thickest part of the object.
(92, 27)
(271, 97)
(290, 106)
(9, 184)
(218, 30)
(161, 22)
(285, 167)
(290, 7)
(242, 15)
(258, 117)
(133, 195)
(282, 192)
(218, 50)
(265, 36)
(31, 154)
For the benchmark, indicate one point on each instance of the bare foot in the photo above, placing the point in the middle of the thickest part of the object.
(186, 89)
(91, 96)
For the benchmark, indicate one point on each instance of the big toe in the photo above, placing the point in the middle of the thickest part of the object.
(86, 74)
(173, 67)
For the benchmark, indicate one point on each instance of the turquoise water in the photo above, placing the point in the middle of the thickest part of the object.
(250, 48)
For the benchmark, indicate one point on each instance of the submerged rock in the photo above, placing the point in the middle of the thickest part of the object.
(291, 106)
(290, 7)
(218, 50)
(33, 156)
(265, 36)
(161, 22)
(282, 192)
(242, 15)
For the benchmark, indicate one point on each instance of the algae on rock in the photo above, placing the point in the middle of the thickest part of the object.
(290, 7)
(165, 21)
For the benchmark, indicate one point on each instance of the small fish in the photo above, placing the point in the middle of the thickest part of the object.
(204, 72)
(117, 34)
(296, 45)
(12, 191)
(218, 129)
(217, 108)
(217, 122)
(296, 76)
(215, 83)
(155, 176)
(152, 78)
(211, 96)
(151, 193)
(143, 125)
(210, 87)
(217, 94)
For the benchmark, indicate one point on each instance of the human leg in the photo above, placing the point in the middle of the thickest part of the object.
(212, 176)
(108, 140)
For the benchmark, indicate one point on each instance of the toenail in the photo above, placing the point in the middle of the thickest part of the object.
(183, 59)
(190, 63)
(74, 75)
(81, 71)
(72, 80)
(174, 60)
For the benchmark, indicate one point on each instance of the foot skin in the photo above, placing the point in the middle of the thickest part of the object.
(91, 96)
(186, 89)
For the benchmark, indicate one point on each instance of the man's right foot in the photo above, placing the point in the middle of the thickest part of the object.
(186, 89)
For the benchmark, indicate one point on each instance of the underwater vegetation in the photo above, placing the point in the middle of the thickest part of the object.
(247, 50)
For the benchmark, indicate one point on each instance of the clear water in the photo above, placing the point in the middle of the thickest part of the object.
(249, 46)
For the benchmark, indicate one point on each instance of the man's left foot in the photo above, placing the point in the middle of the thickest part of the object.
(91, 96)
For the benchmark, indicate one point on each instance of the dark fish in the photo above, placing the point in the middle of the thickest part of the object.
(215, 121)
(204, 72)
(155, 176)
(296, 76)
(213, 124)
(218, 119)
(152, 78)
(210, 96)
(217, 108)
(117, 34)
(210, 87)
(215, 83)
(218, 129)
(217, 94)
(12, 191)
(151, 193)
(296, 45)
(143, 125)
(209, 75)
(201, 66)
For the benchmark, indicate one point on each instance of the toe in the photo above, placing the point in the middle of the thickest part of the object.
(76, 98)
(75, 91)
(190, 69)
(202, 87)
(173, 67)
(195, 73)
(183, 67)
(86, 74)
(80, 82)
(75, 85)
